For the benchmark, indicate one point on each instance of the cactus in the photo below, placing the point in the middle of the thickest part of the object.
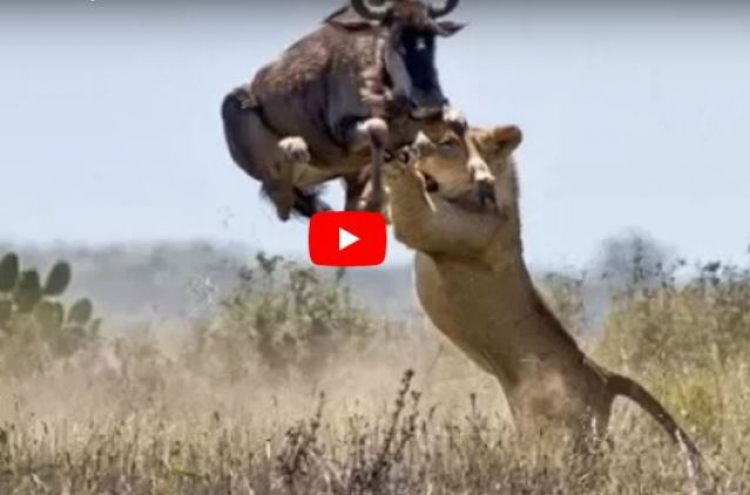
(8, 272)
(50, 315)
(28, 291)
(23, 297)
(58, 279)
(80, 313)
(94, 327)
(6, 311)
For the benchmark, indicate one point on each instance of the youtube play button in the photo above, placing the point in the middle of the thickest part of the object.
(347, 238)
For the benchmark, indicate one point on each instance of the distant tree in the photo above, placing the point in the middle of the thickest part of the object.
(633, 260)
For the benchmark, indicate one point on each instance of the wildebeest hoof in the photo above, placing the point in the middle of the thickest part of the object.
(294, 150)
(376, 130)
(321, 205)
(284, 215)
(456, 119)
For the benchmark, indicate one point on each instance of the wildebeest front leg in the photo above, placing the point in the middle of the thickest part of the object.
(292, 153)
(375, 130)
(354, 187)
(478, 168)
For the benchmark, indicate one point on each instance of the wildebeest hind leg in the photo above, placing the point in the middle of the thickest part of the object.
(258, 151)
(308, 202)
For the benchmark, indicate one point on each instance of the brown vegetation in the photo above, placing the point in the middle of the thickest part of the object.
(296, 389)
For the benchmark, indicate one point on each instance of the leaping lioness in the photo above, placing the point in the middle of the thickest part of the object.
(473, 283)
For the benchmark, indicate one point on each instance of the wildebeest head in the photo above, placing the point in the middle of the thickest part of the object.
(410, 51)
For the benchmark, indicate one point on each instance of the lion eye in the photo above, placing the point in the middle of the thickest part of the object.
(447, 144)
(404, 156)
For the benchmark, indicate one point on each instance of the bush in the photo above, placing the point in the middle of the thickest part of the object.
(701, 323)
(288, 319)
(688, 341)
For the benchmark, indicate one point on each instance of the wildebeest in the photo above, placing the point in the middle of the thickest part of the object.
(342, 98)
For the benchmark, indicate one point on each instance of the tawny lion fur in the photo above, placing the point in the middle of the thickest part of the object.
(473, 283)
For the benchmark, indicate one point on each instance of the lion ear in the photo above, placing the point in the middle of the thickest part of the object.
(507, 137)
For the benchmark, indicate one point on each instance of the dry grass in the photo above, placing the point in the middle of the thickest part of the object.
(132, 418)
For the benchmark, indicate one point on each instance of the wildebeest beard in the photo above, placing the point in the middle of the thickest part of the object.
(417, 50)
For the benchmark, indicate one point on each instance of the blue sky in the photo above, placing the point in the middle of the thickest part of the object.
(110, 128)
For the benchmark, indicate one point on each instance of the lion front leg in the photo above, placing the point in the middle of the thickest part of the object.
(410, 207)
(432, 227)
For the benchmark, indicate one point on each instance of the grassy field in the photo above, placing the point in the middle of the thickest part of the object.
(295, 389)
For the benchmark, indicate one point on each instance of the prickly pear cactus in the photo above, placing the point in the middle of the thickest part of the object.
(23, 296)
(28, 292)
(81, 312)
(6, 311)
(50, 315)
(8, 272)
(58, 279)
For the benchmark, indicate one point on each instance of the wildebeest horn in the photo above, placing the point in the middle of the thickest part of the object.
(375, 10)
(446, 9)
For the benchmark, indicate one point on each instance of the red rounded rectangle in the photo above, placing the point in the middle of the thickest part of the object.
(347, 238)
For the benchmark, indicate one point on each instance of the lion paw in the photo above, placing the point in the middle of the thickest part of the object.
(400, 174)
(455, 119)
(484, 181)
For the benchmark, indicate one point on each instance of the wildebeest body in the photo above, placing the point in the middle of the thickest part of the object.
(335, 101)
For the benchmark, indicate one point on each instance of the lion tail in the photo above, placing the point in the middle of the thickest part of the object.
(622, 385)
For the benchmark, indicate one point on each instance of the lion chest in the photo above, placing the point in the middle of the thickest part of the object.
(475, 309)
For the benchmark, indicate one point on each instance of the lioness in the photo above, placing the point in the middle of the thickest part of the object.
(473, 283)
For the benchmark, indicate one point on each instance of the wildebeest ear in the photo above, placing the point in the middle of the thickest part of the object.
(347, 18)
(449, 28)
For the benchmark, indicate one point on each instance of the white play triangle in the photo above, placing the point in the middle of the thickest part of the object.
(346, 239)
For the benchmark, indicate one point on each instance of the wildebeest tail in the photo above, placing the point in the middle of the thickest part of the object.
(622, 385)
(236, 119)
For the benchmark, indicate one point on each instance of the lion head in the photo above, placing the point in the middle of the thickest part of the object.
(442, 163)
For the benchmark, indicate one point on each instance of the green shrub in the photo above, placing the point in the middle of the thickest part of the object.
(288, 319)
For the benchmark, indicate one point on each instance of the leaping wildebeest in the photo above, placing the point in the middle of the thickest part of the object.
(337, 102)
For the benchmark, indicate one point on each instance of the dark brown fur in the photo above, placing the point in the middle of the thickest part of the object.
(330, 102)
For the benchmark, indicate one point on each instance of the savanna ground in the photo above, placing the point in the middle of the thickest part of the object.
(294, 388)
